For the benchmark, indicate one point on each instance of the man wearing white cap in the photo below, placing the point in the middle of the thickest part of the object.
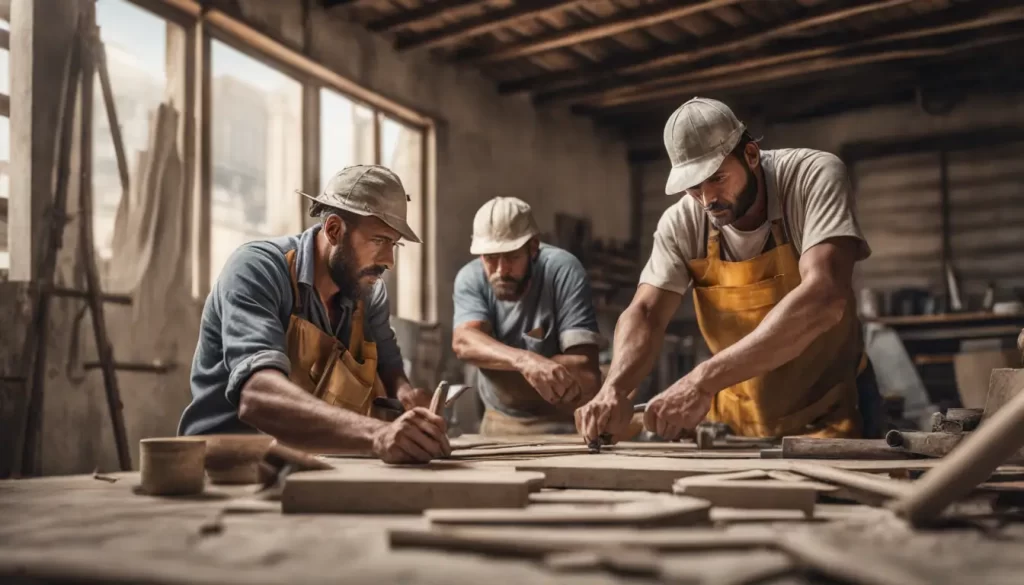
(295, 340)
(767, 239)
(524, 316)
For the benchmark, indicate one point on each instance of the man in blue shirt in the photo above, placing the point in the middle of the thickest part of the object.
(295, 339)
(525, 317)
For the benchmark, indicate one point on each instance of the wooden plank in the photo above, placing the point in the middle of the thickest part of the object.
(483, 24)
(665, 511)
(434, 10)
(369, 489)
(542, 541)
(852, 479)
(813, 448)
(846, 566)
(606, 471)
(1003, 385)
(753, 494)
(804, 68)
(526, 450)
(715, 45)
(596, 497)
(623, 22)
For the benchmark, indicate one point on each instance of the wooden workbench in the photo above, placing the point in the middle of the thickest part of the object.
(77, 529)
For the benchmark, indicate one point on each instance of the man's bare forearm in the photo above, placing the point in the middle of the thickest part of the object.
(638, 340)
(476, 347)
(271, 403)
(786, 332)
(585, 370)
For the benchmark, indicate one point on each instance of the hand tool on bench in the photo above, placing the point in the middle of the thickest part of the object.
(606, 438)
(828, 448)
(956, 420)
(710, 434)
(395, 405)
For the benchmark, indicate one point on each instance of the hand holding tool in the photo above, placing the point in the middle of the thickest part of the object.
(606, 438)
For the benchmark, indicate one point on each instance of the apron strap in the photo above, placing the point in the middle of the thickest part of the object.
(356, 337)
(779, 233)
(293, 275)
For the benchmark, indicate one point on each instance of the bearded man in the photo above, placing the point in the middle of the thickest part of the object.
(767, 240)
(524, 316)
(295, 340)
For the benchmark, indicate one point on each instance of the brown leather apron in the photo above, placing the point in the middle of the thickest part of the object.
(814, 394)
(324, 367)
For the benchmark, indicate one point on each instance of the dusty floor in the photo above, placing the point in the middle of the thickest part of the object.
(63, 529)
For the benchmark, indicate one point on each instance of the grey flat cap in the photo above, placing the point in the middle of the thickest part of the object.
(370, 190)
(698, 137)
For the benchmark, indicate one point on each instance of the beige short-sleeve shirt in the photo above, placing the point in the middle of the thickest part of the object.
(817, 204)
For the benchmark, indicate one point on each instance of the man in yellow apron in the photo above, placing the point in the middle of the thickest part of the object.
(524, 316)
(768, 240)
(295, 339)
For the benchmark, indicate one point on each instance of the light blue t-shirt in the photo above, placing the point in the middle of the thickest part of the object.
(557, 312)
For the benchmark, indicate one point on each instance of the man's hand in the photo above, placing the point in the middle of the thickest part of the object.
(412, 397)
(677, 410)
(550, 379)
(415, 437)
(607, 413)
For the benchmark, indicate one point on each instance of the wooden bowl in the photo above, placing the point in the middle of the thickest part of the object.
(234, 458)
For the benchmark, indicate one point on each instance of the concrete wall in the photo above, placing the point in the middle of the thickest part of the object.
(898, 196)
(487, 145)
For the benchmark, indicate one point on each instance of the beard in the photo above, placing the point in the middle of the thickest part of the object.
(744, 201)
(352, 282)
(508, 288)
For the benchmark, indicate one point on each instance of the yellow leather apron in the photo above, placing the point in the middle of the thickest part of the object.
(814, 394)
(322, 366)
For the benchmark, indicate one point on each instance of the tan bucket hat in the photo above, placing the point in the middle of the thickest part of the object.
(503, 224)
(698, 137)
(369, 190)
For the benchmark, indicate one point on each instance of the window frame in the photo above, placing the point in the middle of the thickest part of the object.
(202, 26)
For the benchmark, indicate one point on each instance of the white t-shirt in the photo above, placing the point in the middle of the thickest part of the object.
(818, 201)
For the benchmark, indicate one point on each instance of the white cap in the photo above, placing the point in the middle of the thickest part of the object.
(502, 225)
(698, 137)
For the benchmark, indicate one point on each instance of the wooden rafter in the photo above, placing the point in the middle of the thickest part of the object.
(482, 24)
(714, 45)
(624, 22)
(633, 87)
(405, 18)
(770, 74)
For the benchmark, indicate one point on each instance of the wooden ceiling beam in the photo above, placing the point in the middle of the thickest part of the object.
(482, 24)
(626, 87)
(624, 22)
(405, 18)
(771, 74)
(715, 45)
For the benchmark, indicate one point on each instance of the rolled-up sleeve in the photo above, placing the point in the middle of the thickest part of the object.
(254, 293)
(378, 322)
(470, 295)
(574, 302)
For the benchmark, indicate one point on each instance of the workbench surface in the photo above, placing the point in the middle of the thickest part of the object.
(77, 529)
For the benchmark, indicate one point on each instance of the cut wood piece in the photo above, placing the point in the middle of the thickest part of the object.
(723, 515)
(811, 448)
(845, 566)
(605, 471)
(935, 444)
(1003, 385)
(749, 474)
(620, 561)
(886, 488)
(682, 511)
(519, 450)
(541, 541)
(753, 494)
(590, 496)
(368, 490)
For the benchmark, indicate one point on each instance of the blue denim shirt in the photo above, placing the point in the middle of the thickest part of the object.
(245, 319)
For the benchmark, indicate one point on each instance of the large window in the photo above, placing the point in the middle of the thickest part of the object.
(346, 134)
(402, 151)
(257, 153)
(136, 48)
